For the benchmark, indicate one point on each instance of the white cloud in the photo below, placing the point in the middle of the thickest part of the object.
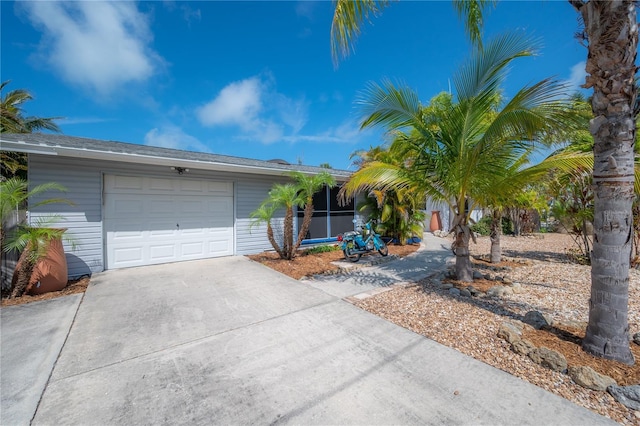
(237, 104)
(256, 109)
(577, 77)
(98, 45)
(171, 136)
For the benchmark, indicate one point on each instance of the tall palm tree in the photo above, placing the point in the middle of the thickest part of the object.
(459, 160)
(12, 120)
(349, 15)
(611, 31)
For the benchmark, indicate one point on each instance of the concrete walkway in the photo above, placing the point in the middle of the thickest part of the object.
(229, 341)
(359, 278)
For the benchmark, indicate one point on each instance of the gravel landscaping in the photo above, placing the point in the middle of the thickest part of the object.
(539, 277)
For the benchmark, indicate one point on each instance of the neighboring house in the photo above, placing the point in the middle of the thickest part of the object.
(138, 205)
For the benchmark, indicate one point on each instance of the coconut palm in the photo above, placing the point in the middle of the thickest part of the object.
(12, 120)
(459, 160)
(349, 15)
(611, 31)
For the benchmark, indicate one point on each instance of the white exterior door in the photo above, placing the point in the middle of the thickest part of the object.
(155, 220)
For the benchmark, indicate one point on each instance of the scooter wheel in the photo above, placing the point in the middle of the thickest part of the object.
(353, 257)
(384, 249)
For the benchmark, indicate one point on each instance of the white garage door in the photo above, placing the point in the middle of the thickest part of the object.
(153, 220)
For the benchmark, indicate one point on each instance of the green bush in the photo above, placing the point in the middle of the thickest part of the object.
(483, 226)
(321, 249)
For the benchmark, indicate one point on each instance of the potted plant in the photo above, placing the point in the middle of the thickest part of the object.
(42, 265)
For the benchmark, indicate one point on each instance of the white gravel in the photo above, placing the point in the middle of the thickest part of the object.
(552, 284)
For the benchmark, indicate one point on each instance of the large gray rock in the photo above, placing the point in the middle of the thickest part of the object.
(477, 275)
(548, 358)
(629, 396)
(589, 378)
(454, 291)
(522, 346)
(537, 319)
(465, 292)
(509, 332)
(499, 291)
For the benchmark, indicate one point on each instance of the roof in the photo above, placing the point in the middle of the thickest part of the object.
(77, 147)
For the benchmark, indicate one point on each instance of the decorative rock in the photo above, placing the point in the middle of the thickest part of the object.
(464, 292)
(507, 280)
(436, 281)
(447, 286)
(509, 332)
(487, 277)
(537, 319)
(589, 378)
(636, 338)
(499, 291)
(477, 275)
(474, 291)
(548, 358)
(629, 396)
(454, 291)
(498, 278)
(522, 346)
(517, 288)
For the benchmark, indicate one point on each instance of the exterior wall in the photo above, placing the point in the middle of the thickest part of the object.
(83, 180)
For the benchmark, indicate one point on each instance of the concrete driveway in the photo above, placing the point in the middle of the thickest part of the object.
(229, 341)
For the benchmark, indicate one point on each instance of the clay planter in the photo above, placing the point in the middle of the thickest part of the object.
(436, 222)
(50, 272)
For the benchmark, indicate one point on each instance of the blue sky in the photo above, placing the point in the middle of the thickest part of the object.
(250, 79)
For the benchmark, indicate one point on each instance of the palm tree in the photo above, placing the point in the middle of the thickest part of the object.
(285, 196)
(611, 31)
(349, 16)
(397, 211)
(12, 120)
(14, 194)
(307, 187)
(459, 160)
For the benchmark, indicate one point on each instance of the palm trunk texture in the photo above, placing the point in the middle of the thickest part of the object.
(612, 32)
(494, 236)
(464, 269)
(306, 221)
(287, 246)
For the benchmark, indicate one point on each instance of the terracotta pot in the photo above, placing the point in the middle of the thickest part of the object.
(436, 223)
(50, 273)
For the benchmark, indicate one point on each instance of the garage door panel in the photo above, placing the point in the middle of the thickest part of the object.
(162, 252)
(154, 220)
(128, 256)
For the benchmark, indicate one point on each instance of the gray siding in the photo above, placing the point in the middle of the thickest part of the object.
(83, 180)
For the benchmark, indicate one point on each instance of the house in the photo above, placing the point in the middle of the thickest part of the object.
(136, 205)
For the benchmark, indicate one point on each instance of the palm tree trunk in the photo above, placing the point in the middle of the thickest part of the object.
(273, 241)
(22, 274)
(612, 33)
(494, 236)
(306, 221)
(464, 269)
(287, 246)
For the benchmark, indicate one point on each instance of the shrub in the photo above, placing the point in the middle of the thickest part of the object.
(321, 249)
(483, 226)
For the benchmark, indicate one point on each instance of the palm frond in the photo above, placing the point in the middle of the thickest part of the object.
(348, 18)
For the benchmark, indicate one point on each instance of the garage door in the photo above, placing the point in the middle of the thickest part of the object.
(153, 220)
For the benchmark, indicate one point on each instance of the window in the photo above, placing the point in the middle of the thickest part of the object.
(329, 219)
